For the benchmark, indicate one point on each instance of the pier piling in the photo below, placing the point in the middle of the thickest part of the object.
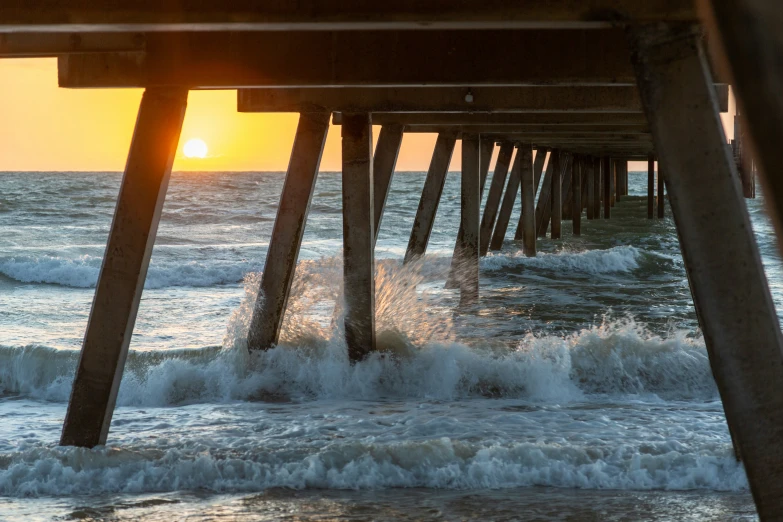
(430, 195)
(730, 291)
(527, 180)
(384, 160)
(660, 201)
(358, 235)
(124, 267)
(650, 186)
(606, 170)
(576, 204)
(538, 169)
(495, 193)
(287, 232)
(470, 205)
(543, 208)
(509, 197)
(557, 197)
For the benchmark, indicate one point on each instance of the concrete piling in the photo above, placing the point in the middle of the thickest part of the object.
(660, 201)
(430, 195)
(606, 170)
(470, 205)
(576, 204)
(650, 185)
(527, 180)
(288, 230)
(543, 208)
(729, 287)
(384, 160)
(512, 188)
(557, 197)
(495, 193)
(124, 267)
(591, 188)
(538, 169)
(358, 235)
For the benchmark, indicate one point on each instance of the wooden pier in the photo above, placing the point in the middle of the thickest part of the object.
(568, 91)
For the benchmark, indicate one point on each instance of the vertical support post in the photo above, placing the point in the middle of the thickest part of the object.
(386, 151)
(557, 197)
(607, 172)
(538, 169)
(358, 235)
(661, 201)
(566, 186)
(591, 187)
(527, 179)
(730, 292)
(487, 146)
(576, 205)
(506, 207)
(470, 204)
(544, 207)
(495, 193)
(597, 164)
(624, 165)
(124, 268)
(650, 185)
(287, 233)
(430, 196)
(612, 181)
(583, 168)
(619, 183)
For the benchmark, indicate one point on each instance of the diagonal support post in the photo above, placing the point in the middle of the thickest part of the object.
(726, 276)
(288, 230)
(124, 268)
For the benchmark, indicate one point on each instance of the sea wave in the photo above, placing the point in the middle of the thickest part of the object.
(82, 272)
(611, 260)
(435, 463)
(615, 359)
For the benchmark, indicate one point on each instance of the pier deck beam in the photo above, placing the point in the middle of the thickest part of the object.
(538, 170)
(650, 186)
(430, 196)
(495, 193)
(288, 229)
(384, 160)
(358, 235)
(730, 291)
(124, 268)
(470, 205)
(510, 196)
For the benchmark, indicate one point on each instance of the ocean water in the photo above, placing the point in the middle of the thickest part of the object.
(579, 388)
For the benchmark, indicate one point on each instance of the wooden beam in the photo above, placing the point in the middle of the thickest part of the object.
(124, 268)
(287, 232)
(359, 58)
(527, 221)
(538, 169)
(291, 15)
(730, 292)
(540, 130)
(21, 45)
(506, 207)
(484, 102)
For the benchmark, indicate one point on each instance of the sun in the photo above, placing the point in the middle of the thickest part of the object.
(195, 148)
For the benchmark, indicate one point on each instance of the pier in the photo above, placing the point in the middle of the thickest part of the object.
(567, 92)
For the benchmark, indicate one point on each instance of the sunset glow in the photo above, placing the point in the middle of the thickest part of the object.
(195, 148)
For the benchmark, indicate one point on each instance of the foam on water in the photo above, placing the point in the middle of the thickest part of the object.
(418, 357)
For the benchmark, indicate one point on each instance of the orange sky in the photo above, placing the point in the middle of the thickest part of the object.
(45, 128)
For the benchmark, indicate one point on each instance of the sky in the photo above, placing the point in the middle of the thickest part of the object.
(45, 128)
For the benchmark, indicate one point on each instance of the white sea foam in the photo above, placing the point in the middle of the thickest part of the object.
(434, 463)
(612, 260)
(82, 272)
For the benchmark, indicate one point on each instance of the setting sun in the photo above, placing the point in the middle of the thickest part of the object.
(195, 148)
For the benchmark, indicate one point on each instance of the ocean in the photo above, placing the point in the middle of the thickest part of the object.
(579, 388)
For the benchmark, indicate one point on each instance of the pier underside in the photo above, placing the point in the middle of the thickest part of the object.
(568, 92)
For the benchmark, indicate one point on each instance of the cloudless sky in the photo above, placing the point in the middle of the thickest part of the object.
(45, 128)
